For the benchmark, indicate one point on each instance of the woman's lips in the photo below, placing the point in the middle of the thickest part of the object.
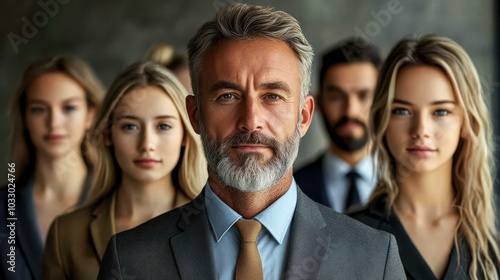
(54, 138)
(146, 163)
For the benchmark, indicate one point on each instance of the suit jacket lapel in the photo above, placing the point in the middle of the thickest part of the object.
(315, 186)
(191, 247)
(28, 233)
(102, 227)
(319, 183)
(306, 239)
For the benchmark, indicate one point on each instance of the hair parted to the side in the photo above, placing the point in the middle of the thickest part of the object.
(472, 161)
(189, 175)
(23, 151)
(238, 21)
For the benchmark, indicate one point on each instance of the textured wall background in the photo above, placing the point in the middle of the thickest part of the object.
(112, 34)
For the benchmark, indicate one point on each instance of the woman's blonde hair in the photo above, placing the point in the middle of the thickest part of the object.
(168, 56)
(472, 161)
(23, 150)
(189, 175)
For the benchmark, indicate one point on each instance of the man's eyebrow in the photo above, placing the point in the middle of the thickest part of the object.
(276, 86)
(335, 88)
(225, 85)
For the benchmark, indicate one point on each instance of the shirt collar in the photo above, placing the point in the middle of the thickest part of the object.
(276, 218)
(338, 168)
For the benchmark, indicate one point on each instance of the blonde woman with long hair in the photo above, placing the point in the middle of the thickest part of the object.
(433, 139)
(52, 113)
(151, 161)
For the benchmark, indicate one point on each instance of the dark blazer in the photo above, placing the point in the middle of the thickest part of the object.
(311, 180)
(323, 245)
(28, 243)
(377, 216)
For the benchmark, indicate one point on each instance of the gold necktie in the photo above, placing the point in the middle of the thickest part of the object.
(249, 265)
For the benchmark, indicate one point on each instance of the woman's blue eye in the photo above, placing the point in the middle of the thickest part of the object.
(129, 127)
(69, 108)
(441, 113)
(164, 126)
(37, 110)
(400, 111)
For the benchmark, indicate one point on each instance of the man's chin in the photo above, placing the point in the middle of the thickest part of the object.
(350, 144)
(242, 159)
(252, 189)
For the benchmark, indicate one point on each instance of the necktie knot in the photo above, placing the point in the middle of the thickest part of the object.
(352, 175)
(249, 230)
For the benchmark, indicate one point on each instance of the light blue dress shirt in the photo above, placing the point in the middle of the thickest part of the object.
(272, 242)
(337, 185)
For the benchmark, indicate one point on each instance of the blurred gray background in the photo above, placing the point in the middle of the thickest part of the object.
(112, 34)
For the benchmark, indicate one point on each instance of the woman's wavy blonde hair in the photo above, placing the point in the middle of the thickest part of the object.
(189, 175)
(472, 161)
(23, 151)
(168, 56)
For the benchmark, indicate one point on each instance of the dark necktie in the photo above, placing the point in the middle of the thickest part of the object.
(352, 199)
(249, 265)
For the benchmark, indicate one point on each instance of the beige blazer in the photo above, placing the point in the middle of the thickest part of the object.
(76, 241)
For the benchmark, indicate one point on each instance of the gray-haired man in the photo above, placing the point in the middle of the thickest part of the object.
(251, 70)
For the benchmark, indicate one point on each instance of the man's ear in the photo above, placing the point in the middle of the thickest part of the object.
(192, 110)
(307, 112)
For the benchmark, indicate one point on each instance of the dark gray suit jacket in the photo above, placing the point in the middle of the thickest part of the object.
(324, 244)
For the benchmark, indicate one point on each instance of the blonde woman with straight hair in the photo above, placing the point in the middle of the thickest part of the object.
(52, 112)
(433, 138)
(151, 161)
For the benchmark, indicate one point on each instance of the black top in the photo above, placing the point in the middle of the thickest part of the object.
(26, 237)
(377, 216)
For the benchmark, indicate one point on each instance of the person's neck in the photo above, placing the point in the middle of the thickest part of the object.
(249, 204)
(142, 201)
(59, 177)
(351, 158)
(426, 196)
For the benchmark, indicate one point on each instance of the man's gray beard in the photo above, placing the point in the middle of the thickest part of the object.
(249, 174)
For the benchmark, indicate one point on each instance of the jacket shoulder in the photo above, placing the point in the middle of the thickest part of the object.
(372, 214)
(312, 167)
(162, 227)
(353, 226)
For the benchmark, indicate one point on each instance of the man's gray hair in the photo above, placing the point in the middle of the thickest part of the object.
(238, 21)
